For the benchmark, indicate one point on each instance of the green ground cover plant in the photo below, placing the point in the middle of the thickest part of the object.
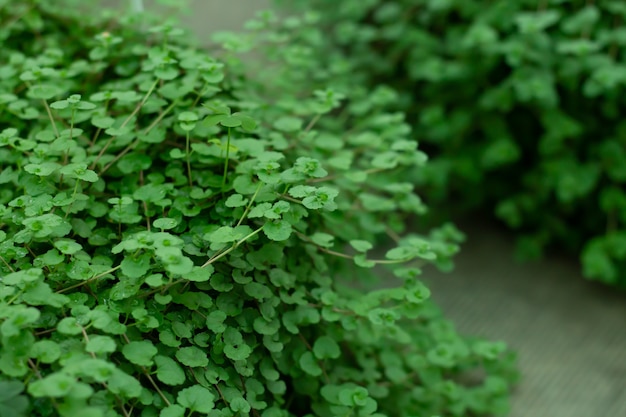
(179, 238)
(519, 104)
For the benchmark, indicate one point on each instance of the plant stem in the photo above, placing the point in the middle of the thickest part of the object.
(188, 160)
(62, 290)
(54, 125)
(232, 248)
(312, 123)
(226, 160)
(7, 264)
(137, 141)
(130, 116)
(67, 213)
(245, 213)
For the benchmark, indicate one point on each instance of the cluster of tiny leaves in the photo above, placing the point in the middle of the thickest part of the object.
(177, 241)
(520, 104)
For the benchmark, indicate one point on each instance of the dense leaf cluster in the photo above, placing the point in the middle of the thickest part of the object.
(177, 239)
(521, 104)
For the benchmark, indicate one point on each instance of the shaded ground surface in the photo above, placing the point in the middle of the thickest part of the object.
(570, 333)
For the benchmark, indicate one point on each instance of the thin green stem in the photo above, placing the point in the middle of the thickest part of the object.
(15, 297)
(94, 278)
(72, 124)
(7, 264)
(332, 177)
(245, 213)
(346, 256)
(67, 213)
(232, 248)
(312, 123)
(209, 262)
(137, 141)
(188, 154)
(199, 94)
(141, 103)
(160, 117)
(226, 160)
(104, 384)
(147, 374)
(128, 119)
(54, 125)
(66, 154)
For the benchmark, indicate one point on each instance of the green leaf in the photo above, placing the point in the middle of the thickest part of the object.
(42, 170)
(55, 385)
(187, 120)
(258, 291)
(236, 200)
(266, 327)
(100, 344)
(489, 350)
(382, 316)
(533, 22)
(52, 258)
(277, 230)
(43, 91)
(247, 123)
(69, 326)
(59, 105)
(140, 352)
(136, 267)
(323, 239)
(361, 245)
(165, 223)
(227, 234)
(353, 396)
(309, 364)
(123, 384)
(196, 398)
(79, 171)
(231, 121)
(23, 276)
(214, 119)
(192, 356)
(237, 352)
(174, 410)
(215, 321)
(363, 262)
(168, 371)
(259, 210)
(288, 124)
(67, 246)
(326, 347)
(417, 294)
(102, 122)
(12, 404)
(200, 274)
(46, 351)
(239, 404)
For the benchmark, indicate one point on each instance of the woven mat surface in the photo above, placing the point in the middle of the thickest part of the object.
(570, 333)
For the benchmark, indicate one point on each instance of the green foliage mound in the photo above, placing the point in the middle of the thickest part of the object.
(177, 241)
(519, 102)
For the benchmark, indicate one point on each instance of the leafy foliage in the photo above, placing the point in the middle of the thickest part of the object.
(176, 237)
(519, 102)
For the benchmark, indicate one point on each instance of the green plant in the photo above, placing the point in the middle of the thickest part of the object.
(177, 241)
(520, 104)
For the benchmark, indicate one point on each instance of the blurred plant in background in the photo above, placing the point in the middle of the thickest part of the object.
(519, 104)
(185, 233)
